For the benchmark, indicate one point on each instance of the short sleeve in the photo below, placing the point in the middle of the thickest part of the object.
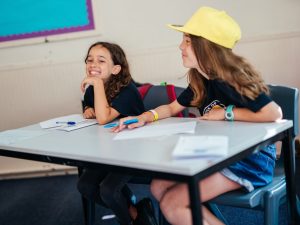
(233, 97)
(259, 102)
(186, 97)
(88, 99)
(128, 102)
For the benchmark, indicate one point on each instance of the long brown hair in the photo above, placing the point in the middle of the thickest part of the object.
(123, 78)
(221, 63)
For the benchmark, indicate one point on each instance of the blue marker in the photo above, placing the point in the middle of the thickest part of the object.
(111, 125)
(69, 123)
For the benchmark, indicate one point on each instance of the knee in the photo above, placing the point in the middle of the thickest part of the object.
(89, 191)
(168, 209)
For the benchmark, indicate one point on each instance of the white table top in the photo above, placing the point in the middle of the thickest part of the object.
(95, 144)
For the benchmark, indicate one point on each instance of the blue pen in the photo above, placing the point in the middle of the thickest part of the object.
(111, 125)
(69, 123)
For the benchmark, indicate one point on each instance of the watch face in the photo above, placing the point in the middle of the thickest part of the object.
(229, 115)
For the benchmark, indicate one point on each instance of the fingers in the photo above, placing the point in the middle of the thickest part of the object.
(89, 114)
(115, 129)
(86, 81)
(82, 86)
(118, 128)
(131, 125)
(141, 122)
(121, 125)
(204, 117)
(85, 114)
(214, 114)
(93, 114)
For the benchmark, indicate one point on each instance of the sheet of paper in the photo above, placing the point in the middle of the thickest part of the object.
(85, 123)
(61, 123)
(12, 136)
(154, 130)
(200, 146)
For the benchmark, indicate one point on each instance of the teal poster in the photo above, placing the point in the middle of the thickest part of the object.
(21, 19)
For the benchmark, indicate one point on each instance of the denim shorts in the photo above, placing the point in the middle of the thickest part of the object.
(254, 171)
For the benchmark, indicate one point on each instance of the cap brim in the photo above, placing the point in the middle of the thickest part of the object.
(182, 29)
(176, 27)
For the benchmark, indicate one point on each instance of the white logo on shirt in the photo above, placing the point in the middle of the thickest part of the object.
(213, 104)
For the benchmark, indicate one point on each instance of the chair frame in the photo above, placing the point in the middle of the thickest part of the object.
(270, 197)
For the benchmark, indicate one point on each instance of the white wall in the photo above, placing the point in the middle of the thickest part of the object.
(41, 81)
(136, 25)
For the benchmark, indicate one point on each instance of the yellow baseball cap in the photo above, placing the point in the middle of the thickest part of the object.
(213, 25)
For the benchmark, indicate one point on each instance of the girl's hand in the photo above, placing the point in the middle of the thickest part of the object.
(90, 81)
(89, 113)
(214, 114)
(141, 122)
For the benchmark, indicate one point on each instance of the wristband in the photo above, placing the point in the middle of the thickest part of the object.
(155, 114)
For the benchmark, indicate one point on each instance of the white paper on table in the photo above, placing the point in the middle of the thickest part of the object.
(12, 136)
(200, 146)
(57, 123)
(154, 130)
(85, 123)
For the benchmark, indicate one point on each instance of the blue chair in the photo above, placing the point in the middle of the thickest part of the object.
(270, 197)
(156, 95)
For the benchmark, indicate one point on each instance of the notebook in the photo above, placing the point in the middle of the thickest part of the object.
(68, 123)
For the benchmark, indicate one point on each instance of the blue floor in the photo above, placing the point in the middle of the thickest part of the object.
(55, 201)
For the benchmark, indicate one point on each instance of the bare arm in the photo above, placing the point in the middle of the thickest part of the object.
(269, 113)
(163, 111)
(89, 113)
(103, 112)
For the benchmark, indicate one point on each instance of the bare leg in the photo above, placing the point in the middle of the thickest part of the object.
(175, 200)
(159, 187)
(132, 212)
(209, 218)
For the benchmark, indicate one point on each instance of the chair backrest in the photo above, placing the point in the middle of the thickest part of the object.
(158, 95)
(288, 99)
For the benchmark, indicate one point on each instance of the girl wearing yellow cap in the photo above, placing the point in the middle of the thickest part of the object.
(223, 86)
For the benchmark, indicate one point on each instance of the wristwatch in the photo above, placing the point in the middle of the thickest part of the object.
(229, 115)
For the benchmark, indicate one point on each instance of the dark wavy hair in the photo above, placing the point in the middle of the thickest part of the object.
(115, 83)
(221, 63)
